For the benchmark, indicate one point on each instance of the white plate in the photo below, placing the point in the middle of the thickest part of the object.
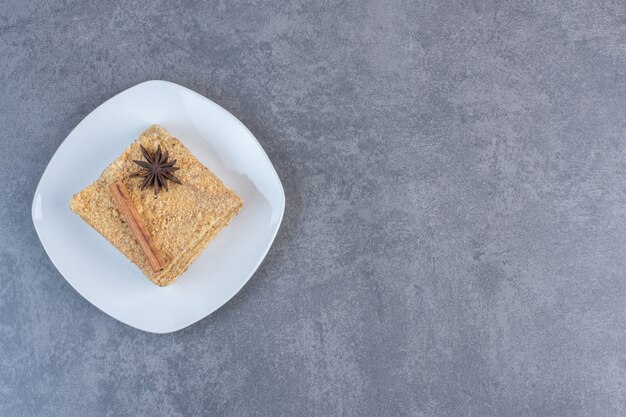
(97, 270)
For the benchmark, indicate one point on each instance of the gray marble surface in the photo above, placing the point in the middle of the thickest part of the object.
(454, 242)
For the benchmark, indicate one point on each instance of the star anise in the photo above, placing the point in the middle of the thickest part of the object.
(156, 170)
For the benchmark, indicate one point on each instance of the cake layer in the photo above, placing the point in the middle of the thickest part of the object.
(180, 221)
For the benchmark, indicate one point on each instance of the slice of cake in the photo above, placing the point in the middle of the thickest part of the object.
(180, 221)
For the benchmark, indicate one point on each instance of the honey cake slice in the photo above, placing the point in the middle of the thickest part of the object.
(181, 221)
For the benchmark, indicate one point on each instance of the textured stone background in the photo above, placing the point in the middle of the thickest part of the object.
(455, 234)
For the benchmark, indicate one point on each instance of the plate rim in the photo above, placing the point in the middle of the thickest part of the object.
(252, 270)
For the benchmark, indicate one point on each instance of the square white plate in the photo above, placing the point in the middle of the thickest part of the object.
(97, 270)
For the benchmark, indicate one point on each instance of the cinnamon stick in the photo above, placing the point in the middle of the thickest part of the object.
(137, 227)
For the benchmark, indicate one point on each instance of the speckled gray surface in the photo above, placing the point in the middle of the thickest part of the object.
(454, 241)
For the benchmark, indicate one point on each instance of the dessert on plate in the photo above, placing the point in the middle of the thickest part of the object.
(158, 205)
